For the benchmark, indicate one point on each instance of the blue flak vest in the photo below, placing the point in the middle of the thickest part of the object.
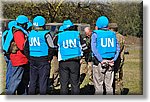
(37, 43)
(9, 38)
(106, 43)
(4, 37)
(69, 45)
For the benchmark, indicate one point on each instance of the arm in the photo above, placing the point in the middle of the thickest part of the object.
(19, 39)
(49, 40)
(94, 49)
(26, 48)
(117, 52)
(50, 43)
(83, 45)
(55, 40)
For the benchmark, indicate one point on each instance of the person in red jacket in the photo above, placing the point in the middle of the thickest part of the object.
(18, 85)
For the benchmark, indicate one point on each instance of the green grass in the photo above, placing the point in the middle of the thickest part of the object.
(133, 69)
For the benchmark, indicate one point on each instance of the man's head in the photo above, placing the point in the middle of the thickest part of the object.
(67, 24)
(113, 27)
(39, 23)
(102, 22)
(88, 31)
(22, 21)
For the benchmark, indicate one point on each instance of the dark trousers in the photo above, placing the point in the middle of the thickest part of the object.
(39, 74)
(69, 72)
(9, 71)
(19, 80)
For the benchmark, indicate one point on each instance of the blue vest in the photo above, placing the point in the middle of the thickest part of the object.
(37, 43)
(69, 45)
(106, 43)
(4, 35)
(9, 38)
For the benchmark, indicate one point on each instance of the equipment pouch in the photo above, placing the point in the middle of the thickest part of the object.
(13, 48)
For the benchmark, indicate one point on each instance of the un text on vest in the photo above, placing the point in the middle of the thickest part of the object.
(70, 43)
(35, 41)
(107, 42)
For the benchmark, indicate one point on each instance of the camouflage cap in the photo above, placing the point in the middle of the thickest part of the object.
(113, 25)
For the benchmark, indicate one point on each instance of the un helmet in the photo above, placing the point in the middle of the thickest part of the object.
(11, 24)
(21, 19)
(102, 22)
(67, 24)
(38, 21)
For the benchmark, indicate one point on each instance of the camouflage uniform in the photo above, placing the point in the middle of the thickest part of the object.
(118, 84)
(86, 66)
(54, 75)
(55, 71)
(119, 63)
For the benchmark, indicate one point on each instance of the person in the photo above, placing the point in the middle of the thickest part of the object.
(105, 50)
(120, 60)
(86, 66)
(6, 52)
(19, 61)
(88, 55)
(40, 42)
(69, 55)
(55, 64)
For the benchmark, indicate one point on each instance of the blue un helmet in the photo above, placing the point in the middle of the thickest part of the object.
(67, 24)
(22, 19)
(38, 21)
(11, 24)
(102, 22)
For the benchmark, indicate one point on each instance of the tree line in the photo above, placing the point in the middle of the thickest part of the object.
(128, 15)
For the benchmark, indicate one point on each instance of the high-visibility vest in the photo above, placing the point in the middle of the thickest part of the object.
(37, 43)
(106, 43)
(69, 45)
(9, 37)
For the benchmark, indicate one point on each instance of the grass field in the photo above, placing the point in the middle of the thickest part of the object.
(132, 69)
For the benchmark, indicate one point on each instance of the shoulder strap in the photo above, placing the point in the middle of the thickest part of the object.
(4, 36)
(16, 28)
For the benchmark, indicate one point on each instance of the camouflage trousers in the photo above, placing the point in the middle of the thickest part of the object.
(86, 70)
(55, 71)
(118, 82)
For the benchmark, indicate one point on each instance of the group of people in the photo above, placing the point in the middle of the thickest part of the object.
(29, 49)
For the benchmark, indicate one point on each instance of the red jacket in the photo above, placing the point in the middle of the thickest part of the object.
(18, 58)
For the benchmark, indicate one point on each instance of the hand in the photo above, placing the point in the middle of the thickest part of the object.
(81, 61)
(49, 61)
(111, 62)
(104, 61)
